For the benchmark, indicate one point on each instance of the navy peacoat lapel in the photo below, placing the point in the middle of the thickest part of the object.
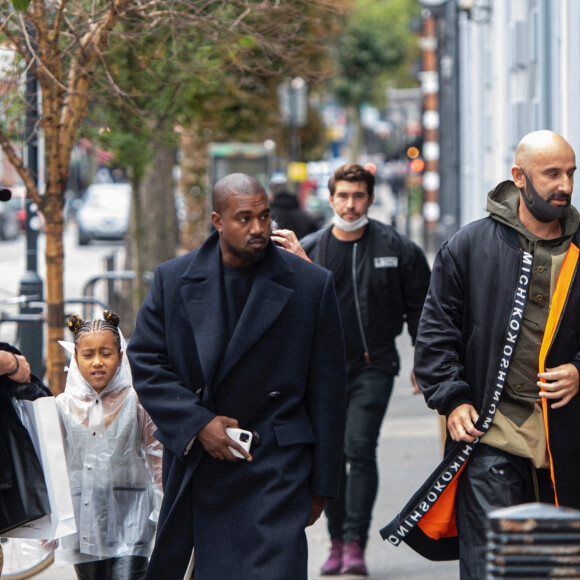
(202, 296)
(267, 300)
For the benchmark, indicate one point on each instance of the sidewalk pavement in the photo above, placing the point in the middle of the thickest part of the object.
(409, 448)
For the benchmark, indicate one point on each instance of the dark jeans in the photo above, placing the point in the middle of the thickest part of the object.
(492, 479)
(125, 568)
(368, 394)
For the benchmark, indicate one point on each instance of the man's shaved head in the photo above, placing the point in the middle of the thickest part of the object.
(234, 182)
(544, 173)
(538, 143)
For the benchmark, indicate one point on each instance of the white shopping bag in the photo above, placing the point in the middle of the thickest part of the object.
(40, 417)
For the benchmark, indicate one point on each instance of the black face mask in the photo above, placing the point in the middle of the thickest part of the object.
(541, 209)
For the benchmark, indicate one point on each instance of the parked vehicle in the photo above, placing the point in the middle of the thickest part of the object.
(104, 212)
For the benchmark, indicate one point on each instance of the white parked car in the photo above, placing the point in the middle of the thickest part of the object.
(105, 212)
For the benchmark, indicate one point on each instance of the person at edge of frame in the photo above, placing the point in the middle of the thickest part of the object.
(16, 381)
(500, 361)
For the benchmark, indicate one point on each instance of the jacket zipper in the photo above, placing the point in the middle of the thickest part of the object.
(357, 307)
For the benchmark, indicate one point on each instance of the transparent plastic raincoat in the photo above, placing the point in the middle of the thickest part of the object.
(114, 465)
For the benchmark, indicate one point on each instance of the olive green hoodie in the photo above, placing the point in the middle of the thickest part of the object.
(518, 425)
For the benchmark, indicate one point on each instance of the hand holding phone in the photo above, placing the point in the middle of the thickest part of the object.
(241, 436)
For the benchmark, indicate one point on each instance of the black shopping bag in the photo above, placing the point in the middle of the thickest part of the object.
(23, 492)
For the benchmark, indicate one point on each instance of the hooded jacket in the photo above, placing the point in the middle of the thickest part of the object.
(114, 467)
(467, 334)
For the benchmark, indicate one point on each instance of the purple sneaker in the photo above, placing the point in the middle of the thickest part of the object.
(353, 559)
(333, 564)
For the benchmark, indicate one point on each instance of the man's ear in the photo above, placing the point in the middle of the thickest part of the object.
(216, 220)
(518, 176)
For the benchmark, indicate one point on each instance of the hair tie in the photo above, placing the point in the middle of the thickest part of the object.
(75, 322)
(111, 317)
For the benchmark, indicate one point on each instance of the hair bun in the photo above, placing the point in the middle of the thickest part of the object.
(112, 318)
(75, 322)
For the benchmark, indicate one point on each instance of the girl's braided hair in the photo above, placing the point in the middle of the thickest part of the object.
(110, 322)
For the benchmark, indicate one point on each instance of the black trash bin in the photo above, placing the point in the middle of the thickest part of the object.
(533, 540)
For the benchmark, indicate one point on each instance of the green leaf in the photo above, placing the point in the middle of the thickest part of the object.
(20, 4)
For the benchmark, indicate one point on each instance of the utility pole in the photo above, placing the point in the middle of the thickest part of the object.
(449, 111)
(430, 87)
(31, 285)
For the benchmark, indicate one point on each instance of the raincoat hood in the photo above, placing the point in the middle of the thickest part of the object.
(80, 389)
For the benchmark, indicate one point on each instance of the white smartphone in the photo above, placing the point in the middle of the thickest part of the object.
(244, 438)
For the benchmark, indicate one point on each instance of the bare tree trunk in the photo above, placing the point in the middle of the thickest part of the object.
(55, 299)
(154, 236)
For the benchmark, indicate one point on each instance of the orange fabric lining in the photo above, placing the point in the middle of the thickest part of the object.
(556, 307)
(439, 521)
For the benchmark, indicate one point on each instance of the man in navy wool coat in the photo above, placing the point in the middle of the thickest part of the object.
(243, 334)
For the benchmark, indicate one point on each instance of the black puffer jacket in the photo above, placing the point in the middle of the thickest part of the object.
(392, 278)
(463, 339)
(464, 328)
(23, 494)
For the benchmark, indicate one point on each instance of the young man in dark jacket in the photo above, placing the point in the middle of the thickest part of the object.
(381, 279)
(497, 352)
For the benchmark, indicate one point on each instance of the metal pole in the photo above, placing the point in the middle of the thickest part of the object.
(31, 336)
(449, 136)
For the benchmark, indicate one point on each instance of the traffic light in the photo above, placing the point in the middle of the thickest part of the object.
(413, 152)
(417, 165)
(415, 160)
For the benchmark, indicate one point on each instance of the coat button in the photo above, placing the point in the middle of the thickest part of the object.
(274, 395)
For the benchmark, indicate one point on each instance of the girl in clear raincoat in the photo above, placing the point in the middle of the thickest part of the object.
(113, 459)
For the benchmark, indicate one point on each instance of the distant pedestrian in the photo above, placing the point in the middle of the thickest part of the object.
(286, 211)
(498, 354)
(114, 462)
(381, 280)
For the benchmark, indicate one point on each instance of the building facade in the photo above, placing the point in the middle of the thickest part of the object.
(506, 67)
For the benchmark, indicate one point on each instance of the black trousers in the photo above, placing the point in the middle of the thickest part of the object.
(124, 568)
(368, 395)
(492, 479)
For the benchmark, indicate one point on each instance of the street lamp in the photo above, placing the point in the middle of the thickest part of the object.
(31, 335)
